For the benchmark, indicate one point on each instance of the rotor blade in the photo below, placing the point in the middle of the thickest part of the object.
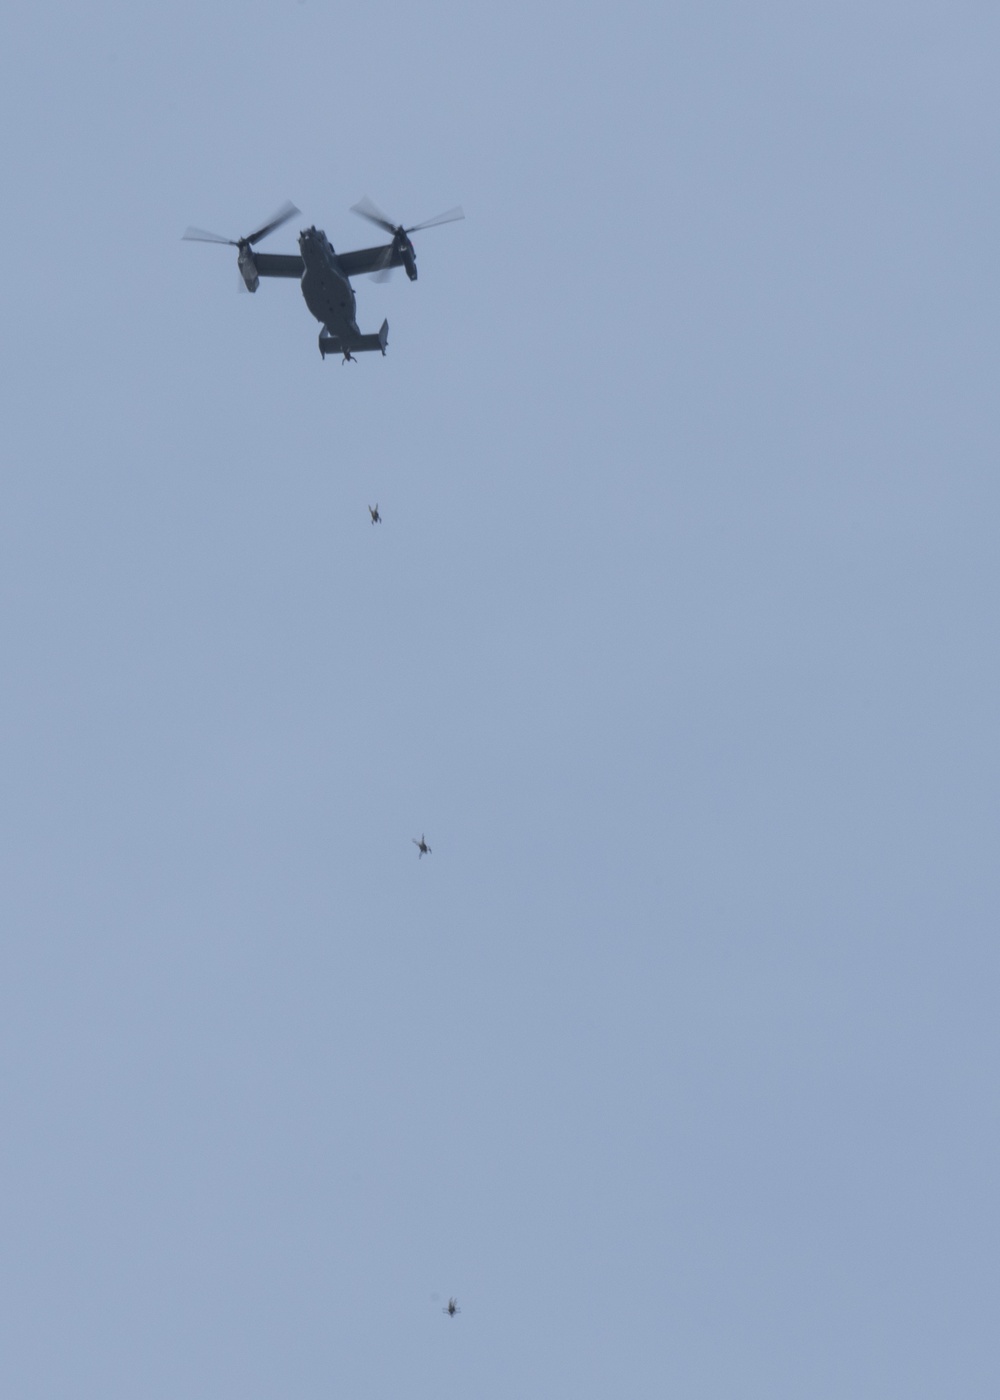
(286, 212)
(448, 217)
(383, 272)
(200, 235)
(368, 209)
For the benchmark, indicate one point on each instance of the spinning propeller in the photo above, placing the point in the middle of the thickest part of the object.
(286, 212)
(248, 268)
(369, 210)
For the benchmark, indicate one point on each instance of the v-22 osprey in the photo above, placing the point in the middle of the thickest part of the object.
(325, 275)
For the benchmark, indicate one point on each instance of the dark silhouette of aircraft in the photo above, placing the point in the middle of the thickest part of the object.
(422, 850)
(325, 276)
(452, 1308)
(376, 518)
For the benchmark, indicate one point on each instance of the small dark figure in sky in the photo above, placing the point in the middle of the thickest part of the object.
(422, 850)
(376, 518)
(348, 357)
(452, 1307)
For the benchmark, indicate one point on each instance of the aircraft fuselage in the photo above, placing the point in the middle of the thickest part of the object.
(325, 286)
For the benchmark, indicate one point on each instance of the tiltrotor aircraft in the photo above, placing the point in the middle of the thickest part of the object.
(325, 275)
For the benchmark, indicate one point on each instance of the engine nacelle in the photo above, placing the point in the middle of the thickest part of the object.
(403, 252)
(248, 268)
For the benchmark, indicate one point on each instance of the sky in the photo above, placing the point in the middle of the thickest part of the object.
(676, 1061)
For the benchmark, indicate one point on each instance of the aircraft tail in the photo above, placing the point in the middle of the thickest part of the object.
(333, 345)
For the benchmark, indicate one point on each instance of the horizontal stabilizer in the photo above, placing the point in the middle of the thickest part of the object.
(333, 345)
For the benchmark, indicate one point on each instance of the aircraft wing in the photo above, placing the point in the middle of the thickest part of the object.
(279, 265)
(369, 260)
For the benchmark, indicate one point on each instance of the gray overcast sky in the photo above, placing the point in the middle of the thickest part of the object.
(677, 1060)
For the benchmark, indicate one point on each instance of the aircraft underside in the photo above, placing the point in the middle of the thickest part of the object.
(330, 297)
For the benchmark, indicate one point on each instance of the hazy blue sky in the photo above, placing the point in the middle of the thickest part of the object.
(677, 1060)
